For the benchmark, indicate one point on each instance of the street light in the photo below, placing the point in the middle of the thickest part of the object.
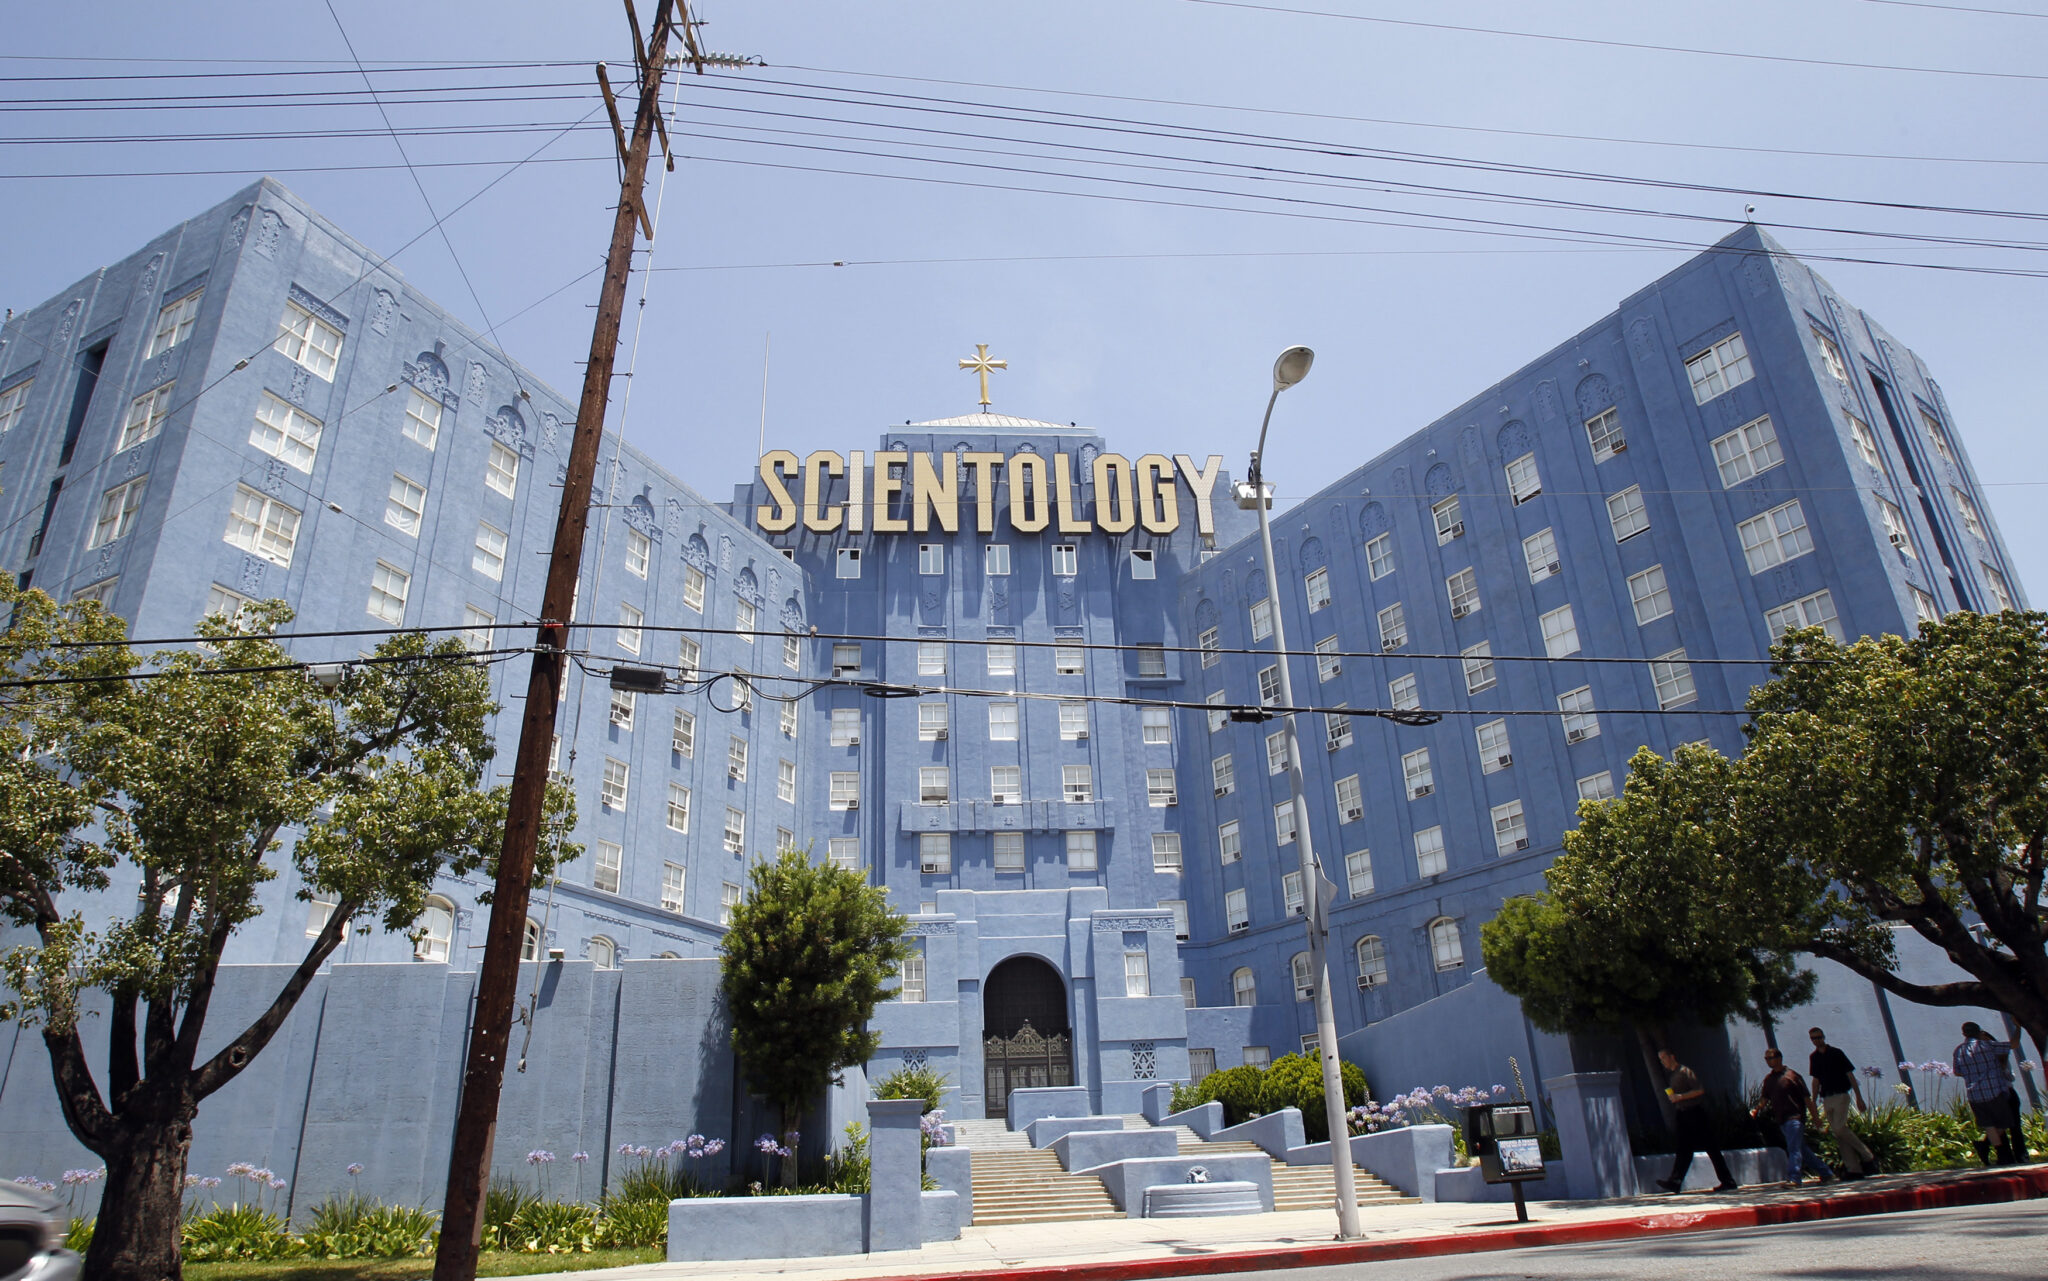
(1293, 366)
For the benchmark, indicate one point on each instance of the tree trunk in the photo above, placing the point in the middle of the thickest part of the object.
(787, 1165)
(137, 1236)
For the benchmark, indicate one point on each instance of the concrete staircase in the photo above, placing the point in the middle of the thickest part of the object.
(1017, 1183)
(1295, 1187)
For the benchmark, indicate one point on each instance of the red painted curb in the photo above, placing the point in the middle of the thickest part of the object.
(1970, 1189)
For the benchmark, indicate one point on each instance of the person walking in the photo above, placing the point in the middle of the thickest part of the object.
(1987, 1078)
(1694, 1131)
(1787, 1101)
(1834, 1080)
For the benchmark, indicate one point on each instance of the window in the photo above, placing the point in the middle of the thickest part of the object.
(1429, 852)
(1350, 799)
(1166, 857)
(1229, 842)
(477, 629)
(1416, 772)
(1358, 873)
(1269, 686)
(1009, 851)
(436, 926)
(1081, 851)
(1673, 678)
(1749, 449)
(1445, 947)
(1393, 627)
(1560, 632)
(1179, 908)
(622, 708)
(630, 619)
(1006, 784)
(678, 808)
(934, 785)
(931, 658)
(14, 404)
(1936, 435)
(530, 939)
(1492, 738)
(849, 562)
(501, 469)
(1318, 584)
(1866, 441)
(1603, 433)
(1001, 658)
(118, 509)
(931, 558)
(1597, 787)
(1159, 788)
(743, 621)
(1328, 665)
(1067, 659)
(672, 877)
(611, 788)
(1510, 828)
(1073, 720)
(1002, 722)
(1336, 730)
(1244, 989)
(846, 660)
(1064, 563)
(1972, 520)
(1137, 975)
(1223, 773)
(1651, 595)
(146, 414)
(1895, 528)
(1775, 537)
(911, 989)
(318, 913)
(1258, 1056)
(1218, 716)
(1719, 367)
(1463, 590)
(1523, 482)
(1576, 707)
(639, 551)
(785, 784)
(1156, 725)
(1479, 672)
(845, 726)
(1143, 565)
(1077, 783)
(845, 790)
(1372, 961)
(1925, 608)
(995, 559)
(305, 339)
(735, 830)
(1276, 752)
(488, 558)
(174, 324)
(1831, 356)
(736, 758)
(224, 604)
(1403, 693)
(610, 859)
(1151, 661)
(728, 899)
(1304, 981)
(792, 652)
(422, 423)
(101, 592)
(285, 432)
(1817, 610)
(1539, 553)
(1994, 582)
(389, 587)
(1625, 511)
(843, 852)
(689, 657)
(405, 505)
(1262, 619)
(1283, 823)
(1449, 524)
(931, 722)
(1211, 644)
(1379, 556)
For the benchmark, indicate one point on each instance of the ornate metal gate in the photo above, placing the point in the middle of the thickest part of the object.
(1025, 1061)
(1026, 1041)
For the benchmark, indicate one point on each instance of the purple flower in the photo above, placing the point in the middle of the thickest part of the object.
(210, 1181)
(2028, 1065)
(31, 1181)
(539, 1156)
(1500, 1089)
(579, 1157)
(767, 1145)
(625, 1149)
(276, 1184)
(1909, 1067)
(355, 1168)
(1873, 1072)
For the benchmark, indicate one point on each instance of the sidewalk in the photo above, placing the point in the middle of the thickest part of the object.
(1126, 1249)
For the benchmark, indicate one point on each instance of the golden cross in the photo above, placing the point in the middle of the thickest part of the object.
(981, 364)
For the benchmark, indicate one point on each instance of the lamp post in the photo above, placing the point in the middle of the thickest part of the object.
(1289, 369)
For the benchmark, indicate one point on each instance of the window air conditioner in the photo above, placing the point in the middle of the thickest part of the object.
(1235, 926)
(1898, 540)
(1418, 793)
(1553, 568)
(1336, 669)
(939, 734)
(734, 773)
(1618, 447)
(1460, 612)
(1367, 981)
(1080, 734)
(1295, 910)
(1458, 530)
(1575, 736)
(853, 740)
(1396, 643)
(1523, 498)
(1504, 761)
(1222, 791)
(1333, 744)
(1352, 816)
(1522, 843)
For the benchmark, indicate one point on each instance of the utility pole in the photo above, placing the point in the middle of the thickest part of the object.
(476, 1119)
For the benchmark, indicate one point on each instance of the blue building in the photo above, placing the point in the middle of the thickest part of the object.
(1590, 556)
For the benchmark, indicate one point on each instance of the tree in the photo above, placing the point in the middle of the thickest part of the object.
(806, 955)
(201, 773)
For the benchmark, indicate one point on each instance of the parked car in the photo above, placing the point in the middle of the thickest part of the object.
(32, 1227)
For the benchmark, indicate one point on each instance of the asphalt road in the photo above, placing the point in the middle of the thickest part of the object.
(1975, 1243)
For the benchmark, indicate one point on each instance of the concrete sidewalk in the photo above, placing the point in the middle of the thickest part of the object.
(1125, 1249)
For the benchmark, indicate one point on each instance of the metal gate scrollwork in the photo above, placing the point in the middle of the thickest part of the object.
(1025, 1061)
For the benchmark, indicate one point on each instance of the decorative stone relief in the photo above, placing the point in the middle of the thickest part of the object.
(273, 476)
(1144, 1060)
(269, 230)
(1642, 338)
(551, 433)
(476, 385)
(65, 324)
(1118, 924)
(429, 373)
(381, 311)
(931, 927)
(747, 587)
(1205, 614)
(237, 227)
(725, 552)
(792, 615)
(1548, 410)
(1312, 554)
(1756, 275)
(1372, 522)
(1594, 394)
(998, 600)
(929, 602)
(1470, 449)
(252, 576)
(145, 284)
(672, 510)
(464, 917)
(1229, 584)
(639, 514)
(697, 552)
(1026, 447)
(561, 473)
(103, 565)
(1440, 481)
(915, 1060)
(133, 464)
(302, 382)
(1404, 484)
(509, 429)
(1513, 439)
(1255, 585)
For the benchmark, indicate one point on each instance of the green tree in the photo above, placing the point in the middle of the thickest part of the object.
(1296, 1081)
(201, 774)
(807, 956)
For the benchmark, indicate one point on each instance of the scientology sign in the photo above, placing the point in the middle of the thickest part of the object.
(909, 491)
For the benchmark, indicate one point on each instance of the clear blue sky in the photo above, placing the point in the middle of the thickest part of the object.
(1121, 309)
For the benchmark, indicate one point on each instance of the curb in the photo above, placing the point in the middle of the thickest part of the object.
(1977, 1189)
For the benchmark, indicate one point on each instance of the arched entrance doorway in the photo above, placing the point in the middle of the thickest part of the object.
(1026, 1041)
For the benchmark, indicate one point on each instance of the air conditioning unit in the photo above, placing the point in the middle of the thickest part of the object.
(736, 774)
(1333, 744)
(1172, 800)
(1460, 612)
(1504, 761)
(1898, 540)
(1523, 498)
(1575, 736)
(1553, 568)
(1352, 816)
(1522, 843)
(853, 740)
(1080, 734)
(940, 734)
(1417, 793)
(997, 799)
(1295, 910)
(1367, 981)
(1618, 447)
(1235, 926)
(1222, 791)
(1399, 643)
(1458, 529)
(853, 803)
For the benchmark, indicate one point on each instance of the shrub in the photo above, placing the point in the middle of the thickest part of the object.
(913, 1083)
(355, 1227)
(503, 1200)
(1186, 1096)
(237, 1232)
(849, 1169)
(633, 1223)
(79, 1238)
(1296, 1081)
(552, 1227)
(1237, 1089)
(654, 1182)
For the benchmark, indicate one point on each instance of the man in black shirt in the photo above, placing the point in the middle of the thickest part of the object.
(1834, 1081)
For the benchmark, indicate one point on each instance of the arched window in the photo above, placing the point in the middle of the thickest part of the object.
(1243, 987)
(437, 924)
(669, 956)
(529, 941)
(1304, 978)
(1372, 961)
(1445, 946)
(604, 952)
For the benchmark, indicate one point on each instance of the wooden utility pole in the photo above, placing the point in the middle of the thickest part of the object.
(476, 1119)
